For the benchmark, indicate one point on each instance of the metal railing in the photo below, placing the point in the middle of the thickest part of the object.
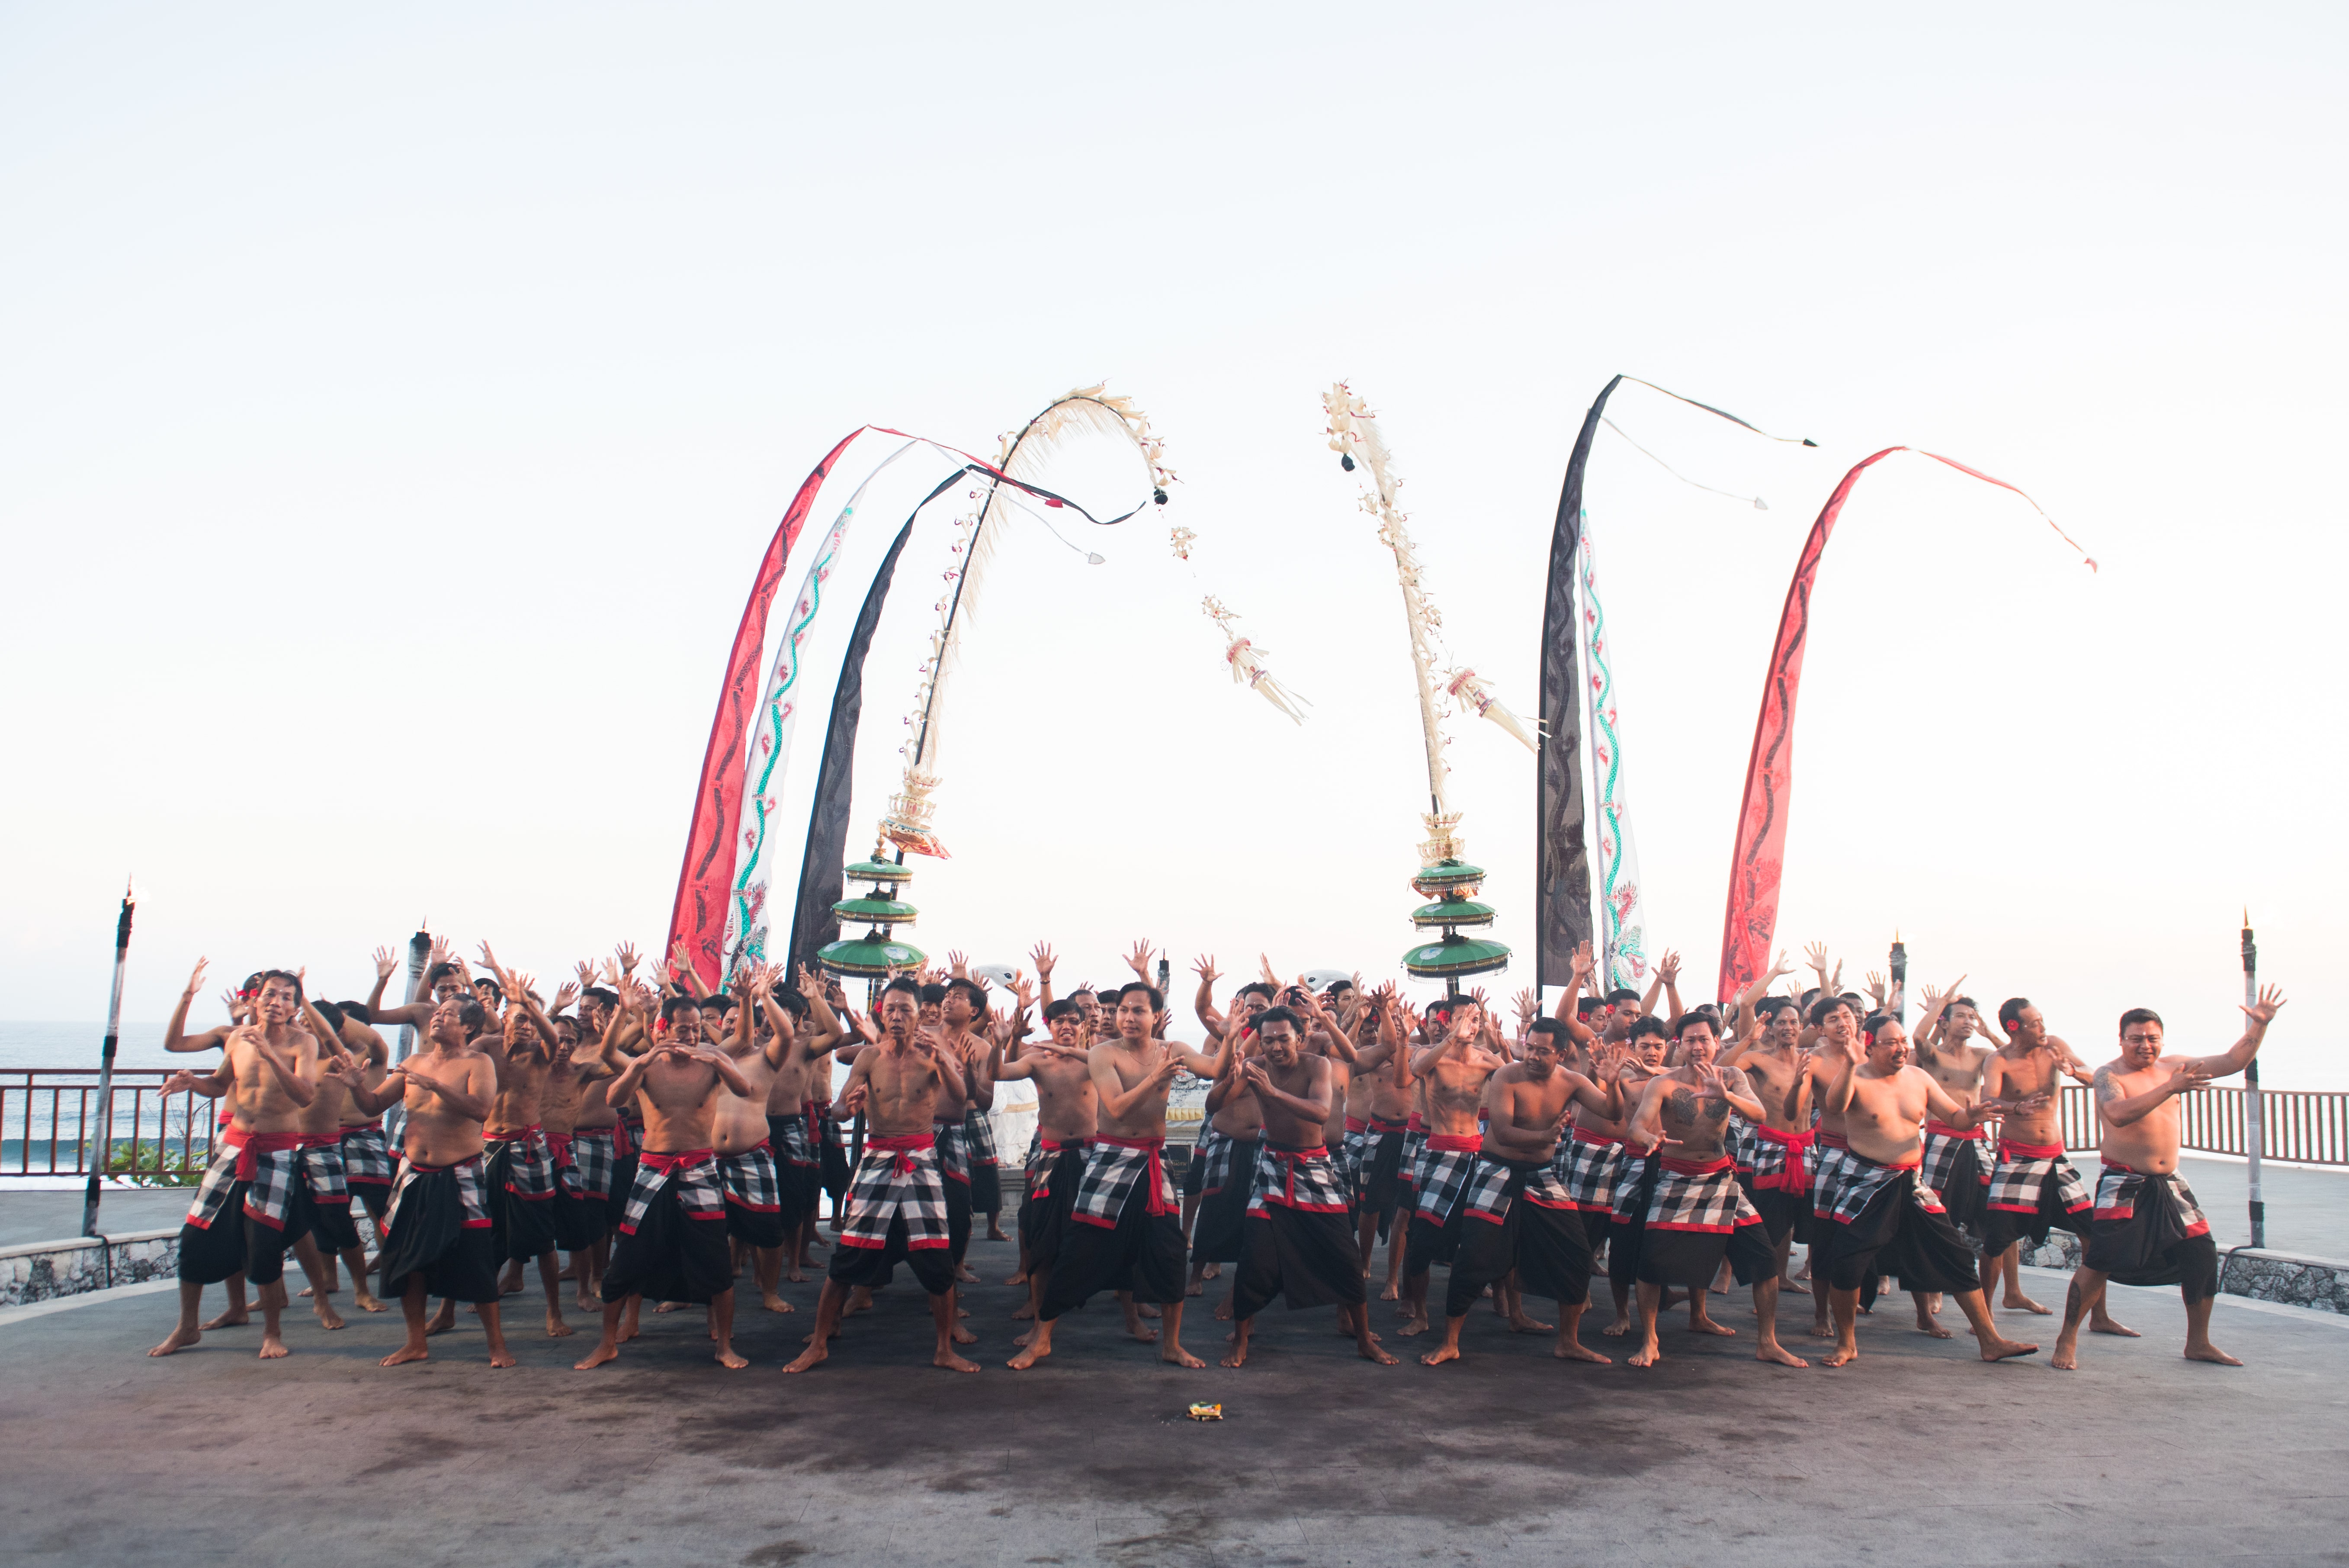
(49, 1123)
(2301, 1127)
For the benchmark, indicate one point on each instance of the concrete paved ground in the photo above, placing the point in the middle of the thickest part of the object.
(53, 1215)
(1918, 1454)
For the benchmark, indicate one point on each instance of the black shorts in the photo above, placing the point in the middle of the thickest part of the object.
(957, 1217)
(1892, 1235)
(1692, 1259)
(374, 1196)
(1216, 1234)
(1428, 1244)
(332, 1225)
(1546, 1247)
(2150, 1247)
(1306, 1258)
(1044, 1221)
(265, 1247)
(209, 1255)
(1381, 1188)
(1144, 1253)
(1785, 1216)
(2002, 1228)
(1627, 1238)
(429, 1239)
(754, 1227)
(869, 1267)
(579, 1221)
(671, 1257)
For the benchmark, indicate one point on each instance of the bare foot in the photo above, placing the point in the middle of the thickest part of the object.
(1142, 1331)
(1841, 1356)
(1179, 1357)
(1394, 1292)
(177, 1339)
(793, 1274)
(1521, 1324)
(328, 1319)
(1794, 1287)
(2017, 1302)
(1027, 1310)
(589, 1304)
(1019, 1278)
(671, 1307)
(965, 1274)
(1415, 1326)
(558, 1329)
(443, 1320)
(1371, 1352)
(953, 1363)
(1145, 1309)
(500, 1358)
(2006, 1349)
(1196, 1287)
(2066, 1358)
(1925, 1324)
(1575, 1350)
(234, 1317)
(730, 1360)
(2212, 1354)
(606, 1350)
(773, 1302)
(1707, 1326)
(406, 1353)
(272, 1347)
(1026, 1358)
(963, 1335)
(1213, 1271)
(1223, 1310)
(1617, 1329)
(1237, 1355)
(1440, 1354)
(860, 1299)
(814, 1356)
(995, 1232)
(1820, 1331)
(1648, 1355)
(364, 1302)
(1349, 1334)
(2099, 1324)
(1782, 1356)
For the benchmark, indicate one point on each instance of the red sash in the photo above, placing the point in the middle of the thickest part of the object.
(902, 1145)
(259, 1143)
(1157, 1178)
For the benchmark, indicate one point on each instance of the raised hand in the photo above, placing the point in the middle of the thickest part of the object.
(1159, 1022)
(809, 986)
(180, 1082)
(2190, 1074)
(2270, 1003)
(1582, 963)
(384, 964)
(1041, 956)
(195, 977)
(236, 1005)
(1270, 978)
(585, 970)
(1529, 1006)
(958, 965)
(1668, 967)
(1022, 990)
(625, 952)
(1816, 955)
(565, 994)
(1204, 966)
(1876, 988)
(1139, 961)
(1778, 969)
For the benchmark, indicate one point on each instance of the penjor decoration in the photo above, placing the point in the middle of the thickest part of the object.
(1445, 875)
(1758, 859)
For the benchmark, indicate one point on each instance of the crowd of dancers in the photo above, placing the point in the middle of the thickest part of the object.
(642, 1136)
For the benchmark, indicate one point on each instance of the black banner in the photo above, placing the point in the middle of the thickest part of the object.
(1562, 852)
(825, 860)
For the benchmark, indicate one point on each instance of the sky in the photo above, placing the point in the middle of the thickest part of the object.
(395, 407)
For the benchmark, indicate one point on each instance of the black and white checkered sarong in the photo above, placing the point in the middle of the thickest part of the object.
(978, 1132)
(1306, 1179)
(213, 1192)
(698, 1192)
(473, 1192)
(1443, 1183)
(595, 1156)
(530, 1168)
(1699, 1195)
(1826, 1178)
(2116, 1192)
(1942, 1151)
(1858, 1179)
(893, 1182)
(2021, 1175)
(1589, 1166)
(954, 1151)
(367, 1154)
(1112, 1171)
(793, 1145)
(1218, 1152)
(1488, 1196)
(749, 1180)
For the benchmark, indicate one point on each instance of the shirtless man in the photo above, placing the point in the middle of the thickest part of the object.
(1068, 1112)
(1216, 1179)
(1697, 1213)
(1378, 1119)
(896, 1210)
(326, 1233)
(257, 1186)
(1955, 1166)
(1524, 1220)
(672, 1244)
(746, 1171)
(808, 1031)
(962, 1005)
(1834, 1034)
(1879, 1213)
(1122, 1219)
(437, 1239)
(356, 1137)
(517, 1165)
(1451, 1074)
(573, 1074)
(2148, 1228)
(1781, 1076)
(2033, 1187)
(1299, 1245)
(599, 1153)
(1633, 1174)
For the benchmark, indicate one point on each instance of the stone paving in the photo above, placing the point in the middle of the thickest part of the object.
(1917, 1454)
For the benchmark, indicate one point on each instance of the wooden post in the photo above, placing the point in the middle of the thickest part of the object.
(105, 1155)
